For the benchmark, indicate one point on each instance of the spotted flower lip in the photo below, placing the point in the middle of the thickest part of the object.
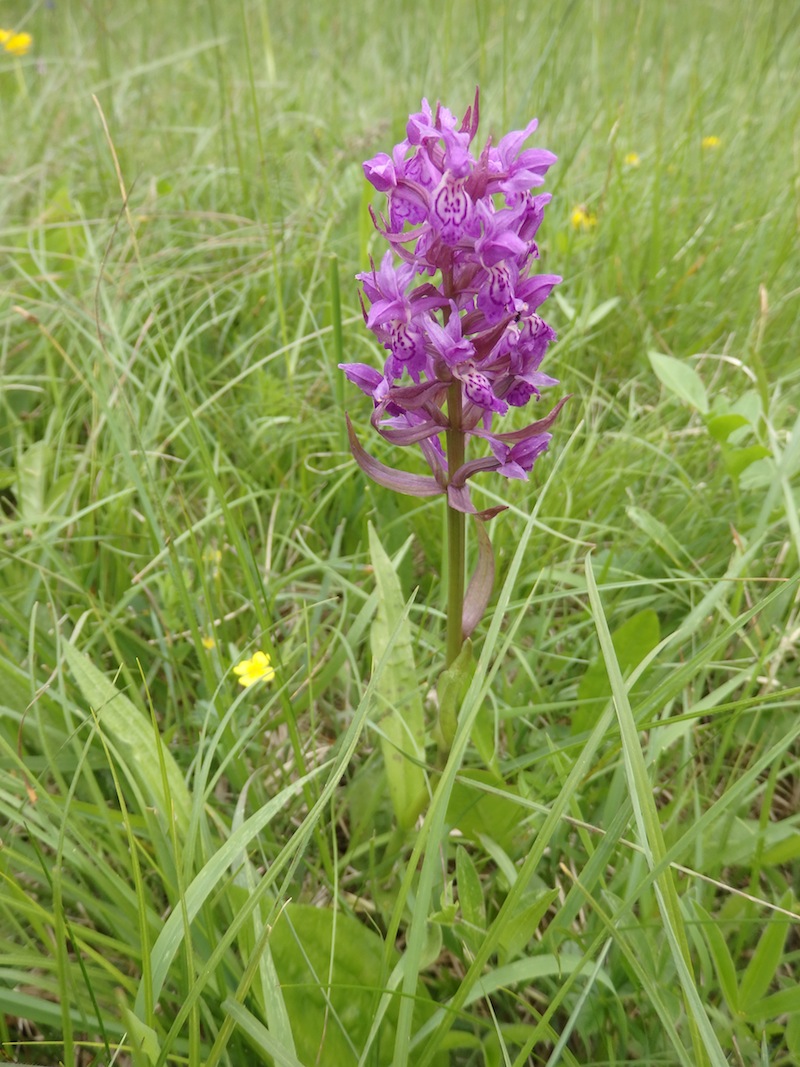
(455, 300)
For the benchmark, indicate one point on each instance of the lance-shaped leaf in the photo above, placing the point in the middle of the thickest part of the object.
(144, 756)
(402, 721)
(388, 477)
(479, 590)
(451, 688)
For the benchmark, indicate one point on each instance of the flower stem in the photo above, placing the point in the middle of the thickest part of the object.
(456, 530)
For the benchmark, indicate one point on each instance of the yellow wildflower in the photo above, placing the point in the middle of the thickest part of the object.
(4, 36)
(208, 643)
(632, 159)
(18, 44)
(254, 670)
(582, 219)
(711, 142)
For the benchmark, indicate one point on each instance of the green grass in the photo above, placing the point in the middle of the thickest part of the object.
(607, 870)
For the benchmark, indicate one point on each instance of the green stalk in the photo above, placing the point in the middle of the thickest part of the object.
(456, 530)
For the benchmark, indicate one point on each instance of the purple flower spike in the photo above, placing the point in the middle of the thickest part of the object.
(455, 302)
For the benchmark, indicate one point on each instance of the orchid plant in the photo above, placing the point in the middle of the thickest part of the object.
(455, 304)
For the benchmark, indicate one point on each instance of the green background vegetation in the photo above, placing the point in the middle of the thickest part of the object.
(181, 201)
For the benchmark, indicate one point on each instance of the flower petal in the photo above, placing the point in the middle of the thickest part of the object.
(528, 431)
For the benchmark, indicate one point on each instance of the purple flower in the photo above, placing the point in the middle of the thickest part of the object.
(455, 300)
(517, 460)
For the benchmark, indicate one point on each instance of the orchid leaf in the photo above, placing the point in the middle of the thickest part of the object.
(402, 723)
(451, 689)
(330, 968)
(470, 897)
(140, 747)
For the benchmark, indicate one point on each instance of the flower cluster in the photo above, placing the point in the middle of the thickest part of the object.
(454, 301)
(18, 44)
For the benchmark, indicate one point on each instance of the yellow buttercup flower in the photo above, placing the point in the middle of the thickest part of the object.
(582, 219)
(254, 670)
(711, 142)
(18, 44)
(208, 643)
(632, 159)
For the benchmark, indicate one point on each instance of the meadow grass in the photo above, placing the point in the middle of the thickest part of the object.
(606, 870)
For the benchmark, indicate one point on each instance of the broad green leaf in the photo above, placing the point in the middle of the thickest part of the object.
(766, 959)
(259, 1035)
(786, 1002)
(739, 459)
(722, 426)
(749, 404)
(329, 966)
(523, 924)
(483, 737)
(744, 839)
(759, 475)
(681, 380)
(139, 746)
(142, 1039)
(451, 688)
(632, 641)
(402, 722)
(477, 813)
(783, 851)
(470, 896)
